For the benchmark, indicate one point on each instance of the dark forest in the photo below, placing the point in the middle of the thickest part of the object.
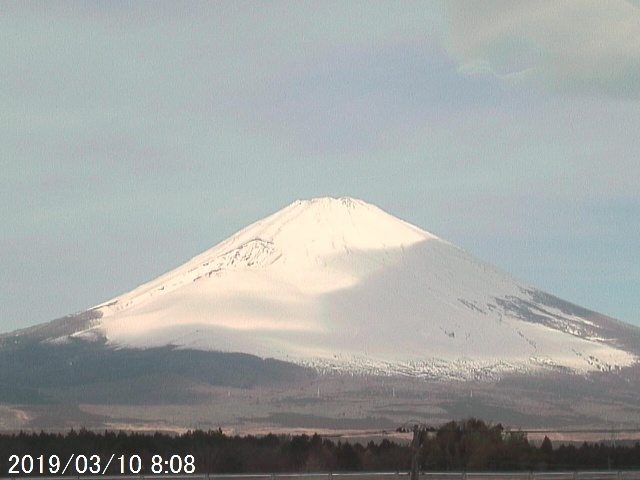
(467, 445)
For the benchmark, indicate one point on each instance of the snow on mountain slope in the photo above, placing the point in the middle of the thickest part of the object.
(340, 284)
(306, 234)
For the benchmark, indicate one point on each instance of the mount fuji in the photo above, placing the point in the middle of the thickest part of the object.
(339, 285)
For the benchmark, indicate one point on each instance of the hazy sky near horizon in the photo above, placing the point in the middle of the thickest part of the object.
(135, 135)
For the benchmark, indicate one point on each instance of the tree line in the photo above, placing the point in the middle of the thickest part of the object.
(466, 445)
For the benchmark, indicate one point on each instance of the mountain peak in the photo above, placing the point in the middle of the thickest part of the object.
(326, 224)
(330, 202)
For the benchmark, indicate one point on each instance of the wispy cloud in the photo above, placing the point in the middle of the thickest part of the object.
(569, 47)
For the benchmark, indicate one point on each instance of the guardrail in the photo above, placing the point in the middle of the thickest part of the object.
(567, 475)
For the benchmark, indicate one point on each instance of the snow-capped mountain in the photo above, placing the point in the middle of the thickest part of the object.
(339, 284)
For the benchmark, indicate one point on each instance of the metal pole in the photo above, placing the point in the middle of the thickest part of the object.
(415, 445)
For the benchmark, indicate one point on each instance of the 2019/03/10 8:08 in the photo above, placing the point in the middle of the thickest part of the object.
(93, 464)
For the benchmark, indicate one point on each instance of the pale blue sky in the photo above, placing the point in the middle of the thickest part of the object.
(136, 135)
